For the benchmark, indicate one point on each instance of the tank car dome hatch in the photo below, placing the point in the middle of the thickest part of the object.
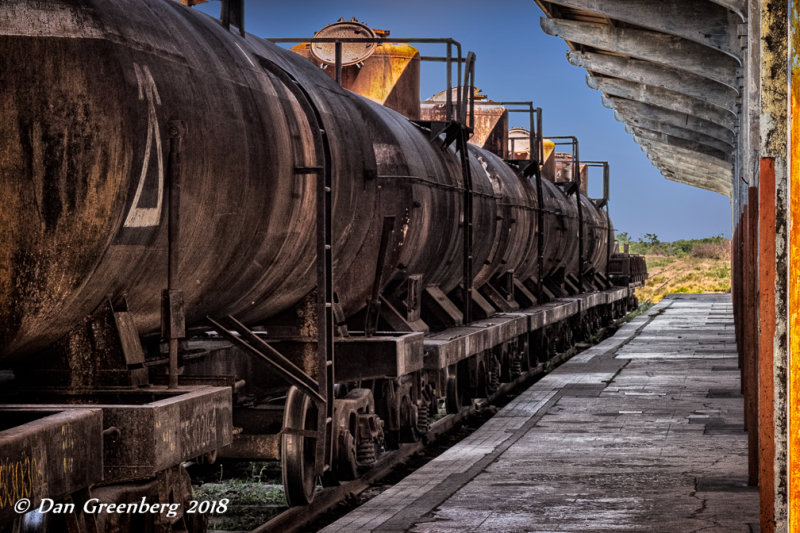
(352, 53)
(519, 144)
(563, 162)
(519, 149)
(387, 73)
(564, 170)
(491, 119)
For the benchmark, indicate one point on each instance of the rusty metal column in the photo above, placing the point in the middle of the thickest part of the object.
(741, 280)
(740, 310)
(172, 315)
(766, 320)
(751, 317)
(735, 286)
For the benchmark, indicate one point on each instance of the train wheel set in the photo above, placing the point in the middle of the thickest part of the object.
(214, 248)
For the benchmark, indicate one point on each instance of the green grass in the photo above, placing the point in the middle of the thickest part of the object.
(253, 490)
(242, 492)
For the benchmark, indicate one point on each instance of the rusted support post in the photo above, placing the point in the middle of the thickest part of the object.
(741, 305)
(751, 319)
(766, 320)
(172, 315)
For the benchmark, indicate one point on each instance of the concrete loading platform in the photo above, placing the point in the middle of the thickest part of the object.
(643, 432)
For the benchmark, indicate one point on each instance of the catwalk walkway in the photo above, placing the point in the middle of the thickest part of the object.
(642, 432)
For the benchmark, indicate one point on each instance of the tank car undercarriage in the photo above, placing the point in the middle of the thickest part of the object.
(112, 430)
(117, 436)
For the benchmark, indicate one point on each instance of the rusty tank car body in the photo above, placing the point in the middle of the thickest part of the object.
(161, 169)
(84, 217)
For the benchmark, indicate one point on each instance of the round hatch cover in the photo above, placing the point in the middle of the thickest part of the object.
(352, 53)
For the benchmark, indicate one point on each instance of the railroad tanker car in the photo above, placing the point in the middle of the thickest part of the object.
(210, 247)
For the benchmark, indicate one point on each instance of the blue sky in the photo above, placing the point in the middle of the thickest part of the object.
(517, 61)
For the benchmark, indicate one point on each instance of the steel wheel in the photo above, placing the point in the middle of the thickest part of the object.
(346, 464)
(298, 452)
(408, 421)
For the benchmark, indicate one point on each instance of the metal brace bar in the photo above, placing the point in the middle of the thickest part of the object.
(254, 339)
(173, 326)
(285, 373)
(373, 310)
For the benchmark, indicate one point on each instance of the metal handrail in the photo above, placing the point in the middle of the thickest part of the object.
(603, 203)
(534, 170)
(600, 202)
(576, 186)
(534, 130)
(449, 59)
(469, 74)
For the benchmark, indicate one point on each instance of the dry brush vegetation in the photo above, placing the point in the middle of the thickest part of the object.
(689, 266)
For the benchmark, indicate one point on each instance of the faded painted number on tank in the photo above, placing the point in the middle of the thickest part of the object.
(147, 216)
